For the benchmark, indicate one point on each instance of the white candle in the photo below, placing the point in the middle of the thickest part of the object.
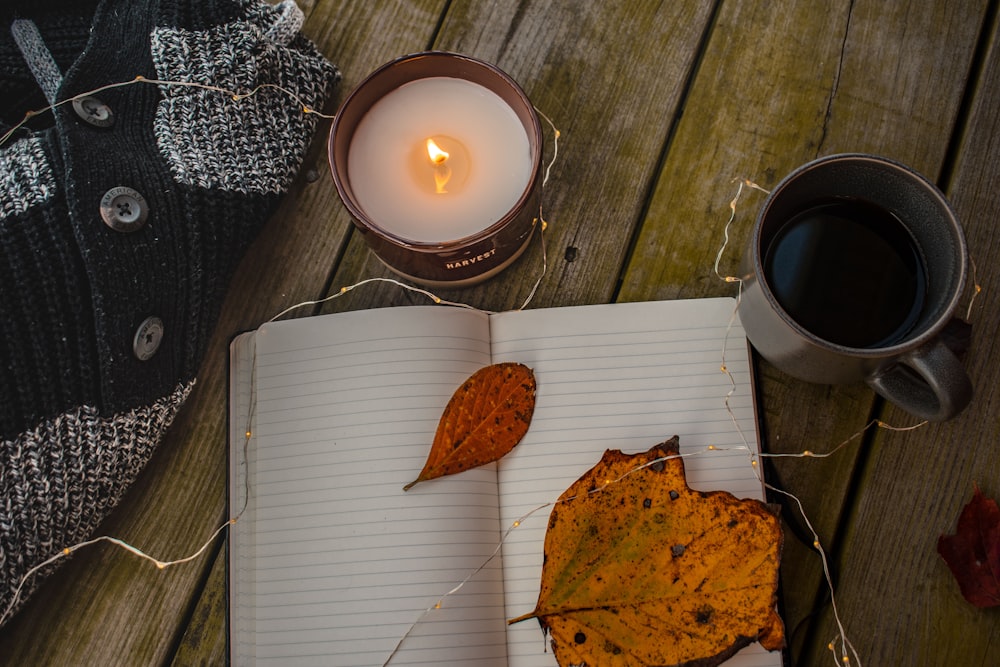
(482, 169)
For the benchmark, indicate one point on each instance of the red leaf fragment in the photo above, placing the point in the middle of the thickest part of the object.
(973, 552)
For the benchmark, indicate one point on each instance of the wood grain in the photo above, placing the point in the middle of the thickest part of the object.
(779, 85)
(660, 106)
(613, 107)
(915, 484)
(205, 637)
(79, 615)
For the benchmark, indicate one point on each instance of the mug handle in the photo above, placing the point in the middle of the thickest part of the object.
(929, 382)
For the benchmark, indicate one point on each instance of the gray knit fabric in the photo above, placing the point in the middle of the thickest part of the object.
(81, 410)
(43, 66)
(209, 140)
(69, 472)
(26, 177)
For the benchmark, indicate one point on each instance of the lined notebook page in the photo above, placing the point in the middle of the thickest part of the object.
(340, 561)
(625, 376)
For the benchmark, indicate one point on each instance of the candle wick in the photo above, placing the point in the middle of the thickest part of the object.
(442, 174)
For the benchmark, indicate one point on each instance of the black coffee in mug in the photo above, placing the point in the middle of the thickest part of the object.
(854, 268)
(848, 271)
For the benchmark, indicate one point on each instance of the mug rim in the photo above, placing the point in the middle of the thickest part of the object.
(946, 310)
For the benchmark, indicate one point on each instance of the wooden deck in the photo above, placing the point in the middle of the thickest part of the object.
(660, 105)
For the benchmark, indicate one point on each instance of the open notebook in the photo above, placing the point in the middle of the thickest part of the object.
(332, 563)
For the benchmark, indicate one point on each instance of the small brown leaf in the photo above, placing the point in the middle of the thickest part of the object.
(485, 418)
(650, 572)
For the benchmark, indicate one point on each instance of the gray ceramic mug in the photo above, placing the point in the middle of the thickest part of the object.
(855, 266)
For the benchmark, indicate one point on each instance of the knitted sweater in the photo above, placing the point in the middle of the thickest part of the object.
(122, 217)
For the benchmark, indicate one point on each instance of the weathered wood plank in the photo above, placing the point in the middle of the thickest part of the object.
(780, 84)
(917, 482)
(204, 641)
(79, 616)
(610, 76)
(756, 110)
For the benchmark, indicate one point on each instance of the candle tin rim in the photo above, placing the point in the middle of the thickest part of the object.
(342, 181)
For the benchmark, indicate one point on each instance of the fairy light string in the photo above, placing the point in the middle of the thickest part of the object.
(65, 552)
(842, 649)
(234, 95)
(841, 646)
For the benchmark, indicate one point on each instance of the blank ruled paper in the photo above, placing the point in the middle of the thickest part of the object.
(341, 561)
(624, 376)
(332, 562)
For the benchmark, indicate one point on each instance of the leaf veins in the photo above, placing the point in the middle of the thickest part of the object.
(485, 418)
(646, 571)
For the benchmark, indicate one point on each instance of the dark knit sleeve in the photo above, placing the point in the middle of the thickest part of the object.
(121, 222)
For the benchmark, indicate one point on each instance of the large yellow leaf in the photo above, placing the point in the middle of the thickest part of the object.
(642, 570)
(485, 418)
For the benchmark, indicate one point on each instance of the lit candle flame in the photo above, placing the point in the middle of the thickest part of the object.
(435, 153)
(442, 172)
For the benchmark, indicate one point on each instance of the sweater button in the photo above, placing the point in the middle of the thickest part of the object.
(93, 111)
(147, 338)
(123, 209)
